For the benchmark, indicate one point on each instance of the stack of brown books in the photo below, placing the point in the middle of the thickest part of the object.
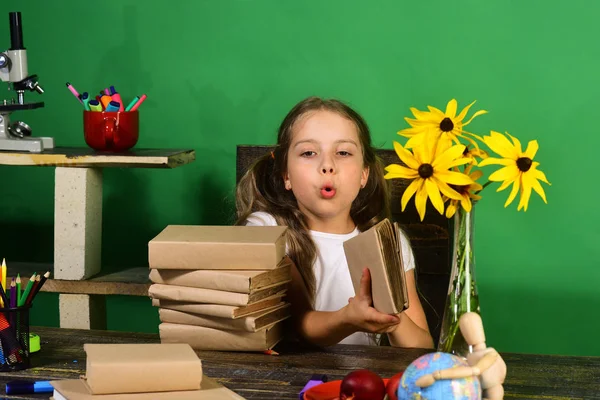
(220, 287)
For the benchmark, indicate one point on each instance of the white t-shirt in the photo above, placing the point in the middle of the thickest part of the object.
(333, 282)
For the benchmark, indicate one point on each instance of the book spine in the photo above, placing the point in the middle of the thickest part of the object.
(206, 279)
(115, 377)
(177, 317)
(195, 295)
(202, 338)
(194, 255)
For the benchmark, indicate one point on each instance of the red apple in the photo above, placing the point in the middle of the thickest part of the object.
(362, 385)
(392, 386)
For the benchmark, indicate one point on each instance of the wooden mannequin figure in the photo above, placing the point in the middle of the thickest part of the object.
(493, 377)
(484, 362)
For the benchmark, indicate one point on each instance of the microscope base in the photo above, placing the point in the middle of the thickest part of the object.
(30, 144)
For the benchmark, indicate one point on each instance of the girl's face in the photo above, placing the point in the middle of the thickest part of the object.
(325, 170)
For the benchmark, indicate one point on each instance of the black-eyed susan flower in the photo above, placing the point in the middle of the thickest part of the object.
(428, 166)
(474, 154)
(447, 125)
(519, 168)
(467, 193)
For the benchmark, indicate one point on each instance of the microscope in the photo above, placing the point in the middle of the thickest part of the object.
(16, 136)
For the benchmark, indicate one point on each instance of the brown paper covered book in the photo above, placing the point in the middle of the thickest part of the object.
(141, 367)
(217, 247)
(76, 389)
(203, 338)
(210, 296)
(221, 310)
(252, 323)
(378, 248)
(239, 281)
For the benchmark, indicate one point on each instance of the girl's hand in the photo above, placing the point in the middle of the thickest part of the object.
(360, 312)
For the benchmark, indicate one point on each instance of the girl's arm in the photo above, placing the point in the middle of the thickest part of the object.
(325, 328)
(412, 331)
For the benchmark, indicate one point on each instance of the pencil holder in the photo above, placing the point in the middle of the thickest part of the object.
(14, 338)
(111, 131)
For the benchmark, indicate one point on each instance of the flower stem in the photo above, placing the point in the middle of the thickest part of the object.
(462, 296)
(459, 287)
(483, 187)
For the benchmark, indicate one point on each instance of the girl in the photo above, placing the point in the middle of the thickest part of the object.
(325, 183)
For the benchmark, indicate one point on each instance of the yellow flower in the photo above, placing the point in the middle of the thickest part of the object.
(475, 153)
(447, 125)
(467, 192)
(519, 168)
(428, 167)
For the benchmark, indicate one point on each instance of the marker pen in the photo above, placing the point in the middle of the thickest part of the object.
(315, 380)
(117, 97)
(113, 106)
(105, 100)
(135, 99)
(25, 387)
(85, 99)
(139, 102)
(95, 105)
(72, 89)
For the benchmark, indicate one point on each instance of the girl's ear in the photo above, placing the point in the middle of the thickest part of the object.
(286, 182)
(364, 177)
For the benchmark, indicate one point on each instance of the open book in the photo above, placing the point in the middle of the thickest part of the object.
(379, 249)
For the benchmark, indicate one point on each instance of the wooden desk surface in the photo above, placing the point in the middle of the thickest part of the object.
(258, 376)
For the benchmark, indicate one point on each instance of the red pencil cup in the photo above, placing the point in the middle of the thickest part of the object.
(111, 131)
(14, 338)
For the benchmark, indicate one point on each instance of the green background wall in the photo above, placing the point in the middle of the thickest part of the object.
(221, 73)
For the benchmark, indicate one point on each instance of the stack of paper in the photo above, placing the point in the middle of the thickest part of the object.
(220, 287)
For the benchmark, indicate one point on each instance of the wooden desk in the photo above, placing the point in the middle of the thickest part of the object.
(258, 376)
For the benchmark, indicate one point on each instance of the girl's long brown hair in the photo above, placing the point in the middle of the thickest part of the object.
(262, 188)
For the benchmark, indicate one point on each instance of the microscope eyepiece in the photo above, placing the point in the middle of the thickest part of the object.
(16, 31)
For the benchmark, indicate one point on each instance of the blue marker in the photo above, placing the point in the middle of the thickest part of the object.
(25, 387)
(113, 106)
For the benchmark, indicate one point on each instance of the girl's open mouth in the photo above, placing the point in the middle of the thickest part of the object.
(327, 192)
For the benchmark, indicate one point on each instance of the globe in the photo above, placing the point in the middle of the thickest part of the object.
(458, 389)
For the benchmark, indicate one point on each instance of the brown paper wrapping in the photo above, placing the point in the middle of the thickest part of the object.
(250, 324)
(210, 296)
(202, 338)
(76, 389)
(143, 367)
(217, 247)
(226, 280)
(220, 310)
